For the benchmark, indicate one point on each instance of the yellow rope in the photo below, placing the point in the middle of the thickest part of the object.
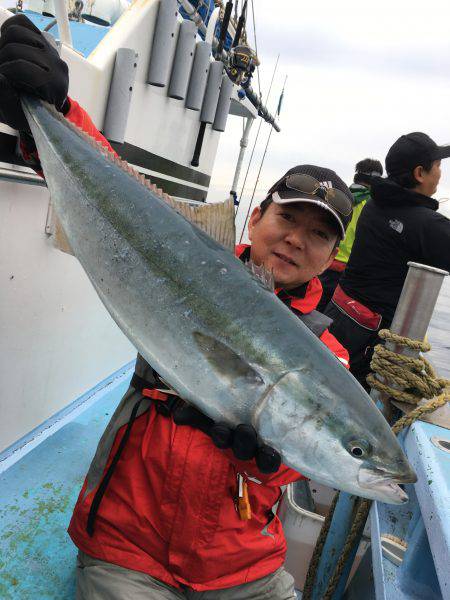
(415, 376)
(317, 553)
(417, 380)
(424, 409)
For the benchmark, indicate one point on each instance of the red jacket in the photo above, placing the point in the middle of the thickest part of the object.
(76, 115)
(169, 508)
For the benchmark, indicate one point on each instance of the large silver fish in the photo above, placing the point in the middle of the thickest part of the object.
(210, 328)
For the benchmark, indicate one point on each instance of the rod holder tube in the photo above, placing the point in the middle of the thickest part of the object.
(223, 104)
(120, 93)
(184, 57)
(211, 97)
(199, 76)
(163, 43)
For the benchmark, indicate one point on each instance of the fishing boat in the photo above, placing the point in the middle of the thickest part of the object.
(148, 78)
(151, 75)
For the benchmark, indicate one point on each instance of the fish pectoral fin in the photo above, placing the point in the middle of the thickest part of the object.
(225, 361)
(216, 220)
(262, 275)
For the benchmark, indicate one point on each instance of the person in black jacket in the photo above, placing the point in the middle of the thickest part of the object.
(399, 224)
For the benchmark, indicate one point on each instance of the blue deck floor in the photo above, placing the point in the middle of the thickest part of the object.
(37, 557)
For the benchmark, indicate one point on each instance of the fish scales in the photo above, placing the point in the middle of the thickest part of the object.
(215, 334)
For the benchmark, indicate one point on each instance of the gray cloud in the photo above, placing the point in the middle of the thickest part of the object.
(316, 48)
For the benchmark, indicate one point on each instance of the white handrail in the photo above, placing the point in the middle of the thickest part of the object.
(18, 176)
(62, 19)
(209, 37)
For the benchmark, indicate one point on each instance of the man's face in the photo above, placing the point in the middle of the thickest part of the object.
(429, 180)
(294, 241)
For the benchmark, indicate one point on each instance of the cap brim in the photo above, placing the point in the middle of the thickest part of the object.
(443, 152)
(309, 199)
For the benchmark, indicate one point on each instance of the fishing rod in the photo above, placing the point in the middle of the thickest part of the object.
(280, 102)
(256, 48)
(240, 26)
(262, 110)
(256, 138)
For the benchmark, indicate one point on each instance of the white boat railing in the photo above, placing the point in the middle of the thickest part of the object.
(62, 20)
(19, 176)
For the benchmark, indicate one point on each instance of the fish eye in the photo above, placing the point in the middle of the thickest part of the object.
(359, 448)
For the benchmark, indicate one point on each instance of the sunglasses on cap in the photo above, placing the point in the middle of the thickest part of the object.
(306, 184)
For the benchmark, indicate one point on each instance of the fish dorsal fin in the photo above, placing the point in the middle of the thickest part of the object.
(216, 220)
(260, 273)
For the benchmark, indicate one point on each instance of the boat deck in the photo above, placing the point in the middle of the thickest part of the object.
(38, 495)
(85, 36)
(39, 488)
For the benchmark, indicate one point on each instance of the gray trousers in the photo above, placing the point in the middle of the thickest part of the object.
(99, 580)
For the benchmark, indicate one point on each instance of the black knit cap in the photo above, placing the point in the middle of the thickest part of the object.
(325, 176)
(413, 150)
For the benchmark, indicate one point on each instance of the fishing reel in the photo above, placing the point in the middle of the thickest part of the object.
(242, 62)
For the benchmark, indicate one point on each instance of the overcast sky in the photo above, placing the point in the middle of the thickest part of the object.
(359, 76)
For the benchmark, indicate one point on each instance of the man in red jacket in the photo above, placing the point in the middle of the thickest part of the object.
(175, 505)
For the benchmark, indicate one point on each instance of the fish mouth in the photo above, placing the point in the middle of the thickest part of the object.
(384, 486)
(286, 259)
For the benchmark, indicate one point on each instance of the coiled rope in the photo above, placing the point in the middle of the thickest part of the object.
(406, 379)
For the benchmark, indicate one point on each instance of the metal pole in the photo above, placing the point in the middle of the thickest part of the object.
(244, 144)
(412, 317)
(62, 20)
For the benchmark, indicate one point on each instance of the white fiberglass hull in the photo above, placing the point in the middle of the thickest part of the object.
(57, 340)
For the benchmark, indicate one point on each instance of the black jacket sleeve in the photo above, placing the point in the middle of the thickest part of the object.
(436, 241)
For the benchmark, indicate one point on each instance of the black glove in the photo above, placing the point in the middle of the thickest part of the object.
(243, 440)
(29, 63)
